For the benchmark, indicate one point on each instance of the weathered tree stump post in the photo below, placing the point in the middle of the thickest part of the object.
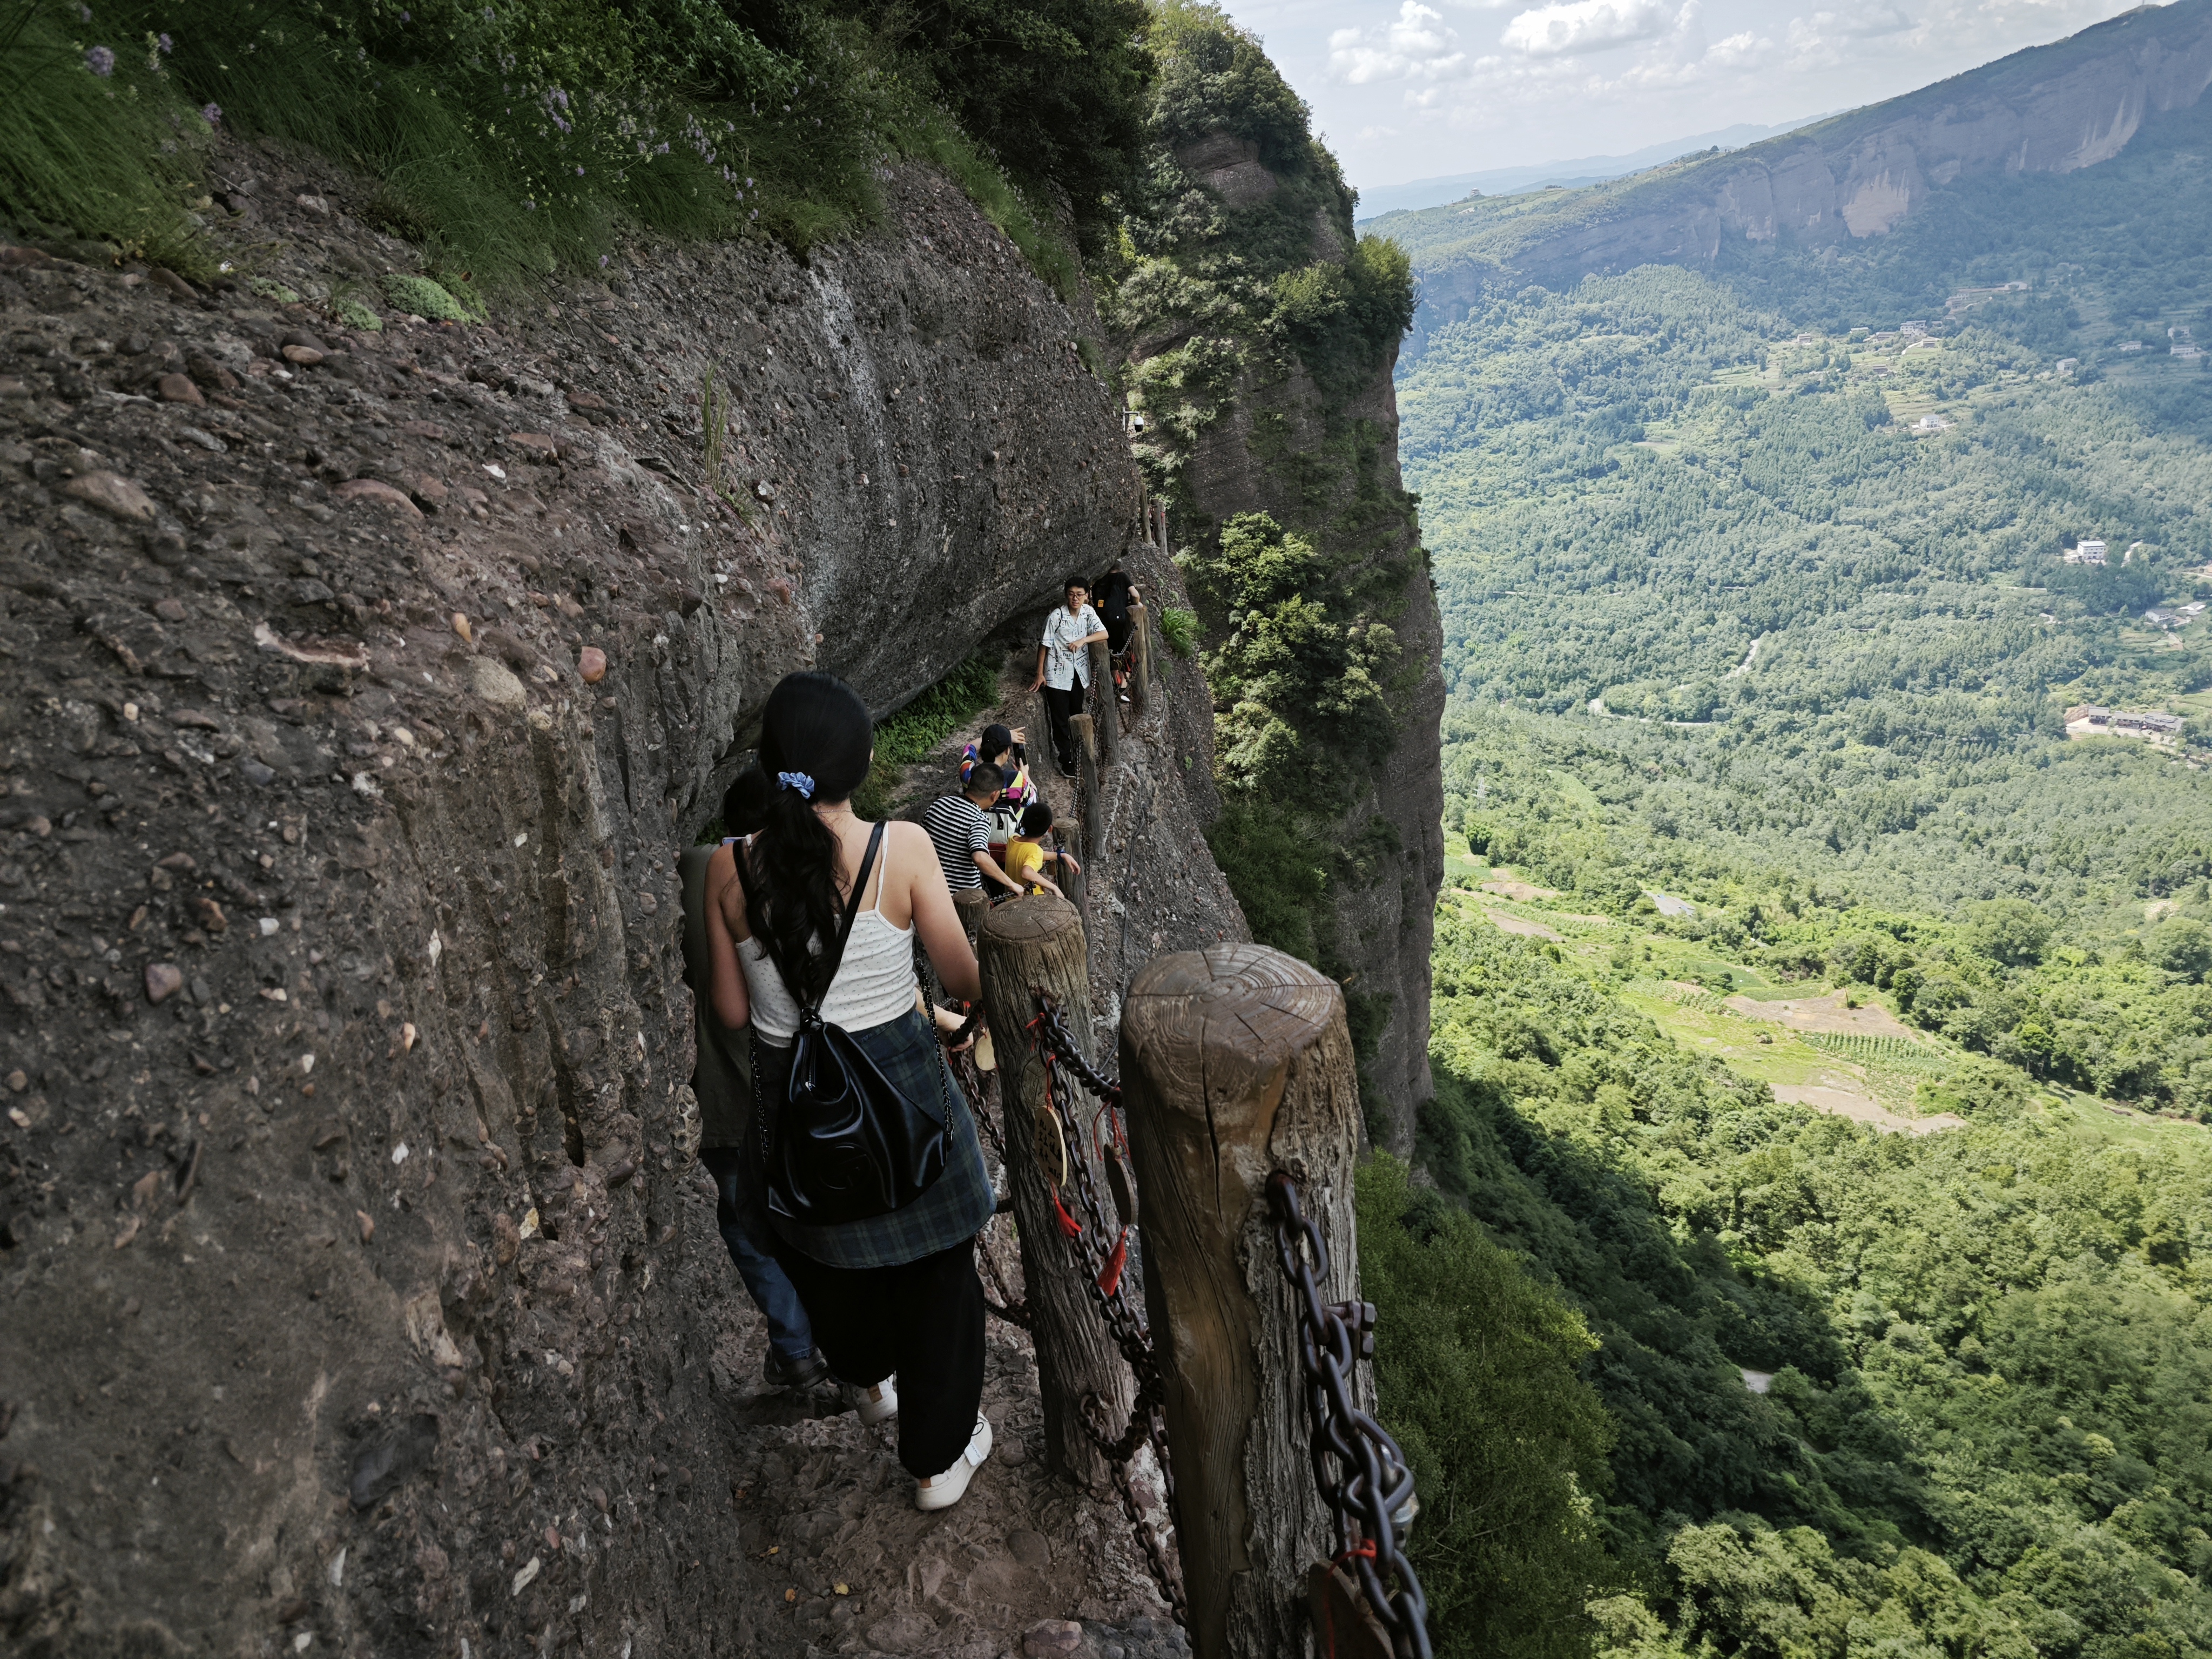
(1076, 882)
(1140, 673)
(973, 903)
(1087, 770)
(1237, 1061)
(1030, 945)
(1105, 710)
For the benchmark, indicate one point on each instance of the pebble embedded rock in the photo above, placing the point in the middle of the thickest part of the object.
(495, 683)
(112, 494)
(1049, 1637)
(179, 389)
(376, 493)
(163, 981)
(591, 665)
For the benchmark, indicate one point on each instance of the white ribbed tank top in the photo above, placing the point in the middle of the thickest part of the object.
(875, 981)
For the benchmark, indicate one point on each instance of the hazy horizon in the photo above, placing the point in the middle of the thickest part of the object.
(1405, 90)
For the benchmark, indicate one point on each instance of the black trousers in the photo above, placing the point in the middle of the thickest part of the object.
(923, 1320)
(1061, 706)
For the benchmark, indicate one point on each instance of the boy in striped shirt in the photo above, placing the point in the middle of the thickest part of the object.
(960, 831)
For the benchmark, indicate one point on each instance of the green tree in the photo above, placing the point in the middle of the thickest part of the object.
(2009, 931)
(1055, 90)
(2180, 947)
(1477, 1368)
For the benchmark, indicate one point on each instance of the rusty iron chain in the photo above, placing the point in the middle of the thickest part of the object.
(970, 1077)
(1124, 1322)
(1361, 1472)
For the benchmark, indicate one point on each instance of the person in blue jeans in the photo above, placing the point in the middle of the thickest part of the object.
(723, 1083)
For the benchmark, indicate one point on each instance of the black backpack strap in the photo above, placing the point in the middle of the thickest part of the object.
(844, 930)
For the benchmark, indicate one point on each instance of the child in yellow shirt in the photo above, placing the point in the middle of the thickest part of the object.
(1025, 854)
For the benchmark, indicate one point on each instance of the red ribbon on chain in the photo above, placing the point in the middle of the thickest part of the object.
(1110, 1280)
(1068, 1224)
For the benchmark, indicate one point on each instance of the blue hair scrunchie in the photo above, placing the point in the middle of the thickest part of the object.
(798, 781)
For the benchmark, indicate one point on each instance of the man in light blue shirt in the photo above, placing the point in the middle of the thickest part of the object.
(1063, 666)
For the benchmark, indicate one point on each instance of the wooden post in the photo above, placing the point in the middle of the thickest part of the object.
(972, 903)
(1085, 727)
(1140, 639)
(1105, 712)
(1029, 944)
(1237, 1061)
(1076, 884)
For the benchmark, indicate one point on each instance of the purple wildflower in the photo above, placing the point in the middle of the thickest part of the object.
(406, 16)
(580, 172)
(165, 43)
(663, 149)
(212, 114)
(100, 60)
(603, 262)
(83, 13)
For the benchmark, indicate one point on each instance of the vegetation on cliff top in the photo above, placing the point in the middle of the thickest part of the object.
(514, 142)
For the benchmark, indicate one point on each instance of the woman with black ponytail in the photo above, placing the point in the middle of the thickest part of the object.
(879, 1248)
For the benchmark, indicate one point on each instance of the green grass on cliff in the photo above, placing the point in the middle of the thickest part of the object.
(519, 142)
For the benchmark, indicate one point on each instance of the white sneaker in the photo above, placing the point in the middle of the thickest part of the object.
(877, 1403)
(942, 1492)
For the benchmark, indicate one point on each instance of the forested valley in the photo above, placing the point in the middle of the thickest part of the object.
(1804, 1253)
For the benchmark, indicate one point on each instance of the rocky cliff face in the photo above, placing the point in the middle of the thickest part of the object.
(357, 1284)
(1243, 423)
(1384, 906)
(2052, 109)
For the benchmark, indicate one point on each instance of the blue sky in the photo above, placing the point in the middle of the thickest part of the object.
(1414, 88)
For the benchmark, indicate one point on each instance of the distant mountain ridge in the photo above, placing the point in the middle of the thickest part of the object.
(2059, 108)
(1418, 193)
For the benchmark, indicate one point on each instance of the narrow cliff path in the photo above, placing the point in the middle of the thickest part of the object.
(1152, 884)
(825, 1509)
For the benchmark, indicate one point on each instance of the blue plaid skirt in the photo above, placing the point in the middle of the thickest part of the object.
(956, 1205)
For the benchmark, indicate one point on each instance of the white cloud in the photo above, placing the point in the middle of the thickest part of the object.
(1417, 45)
(1740, 52)
(1572, 28)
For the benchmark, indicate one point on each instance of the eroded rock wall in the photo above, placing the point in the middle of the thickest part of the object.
(352, 1266)
(1384, 902)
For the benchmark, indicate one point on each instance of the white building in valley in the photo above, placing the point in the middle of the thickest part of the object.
(2089, 552)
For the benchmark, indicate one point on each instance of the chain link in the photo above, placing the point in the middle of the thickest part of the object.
(1109, 1286)
(1362, 1474)
(980, 1095)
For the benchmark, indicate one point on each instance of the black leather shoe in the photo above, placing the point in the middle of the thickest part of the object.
(807, 1373)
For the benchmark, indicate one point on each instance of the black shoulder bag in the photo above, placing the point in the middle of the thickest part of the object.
(849, 1144)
